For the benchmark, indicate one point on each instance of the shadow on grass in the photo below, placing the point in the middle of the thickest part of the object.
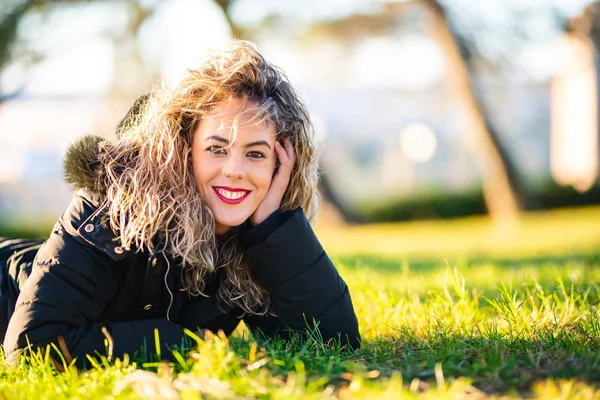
(495, 365)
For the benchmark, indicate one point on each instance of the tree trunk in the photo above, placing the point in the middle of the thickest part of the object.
(499, 178)
(588, 23)
(334, 203)
(225, 6)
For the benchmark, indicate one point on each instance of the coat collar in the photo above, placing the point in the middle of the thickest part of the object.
(85, 221)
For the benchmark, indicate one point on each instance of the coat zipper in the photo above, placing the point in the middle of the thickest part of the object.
(148, 265)
(167, 285)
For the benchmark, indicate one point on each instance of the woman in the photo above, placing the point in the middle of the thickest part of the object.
(195, 219)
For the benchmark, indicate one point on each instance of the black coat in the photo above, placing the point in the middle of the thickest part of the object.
(83, 291)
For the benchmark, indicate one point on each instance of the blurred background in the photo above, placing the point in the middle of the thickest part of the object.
(423, 108)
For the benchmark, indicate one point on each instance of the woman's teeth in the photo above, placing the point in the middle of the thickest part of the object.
(231, 195)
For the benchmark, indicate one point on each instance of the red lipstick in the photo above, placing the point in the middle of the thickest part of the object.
(232, 190)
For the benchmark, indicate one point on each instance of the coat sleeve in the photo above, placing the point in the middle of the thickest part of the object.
(70, 286)
(207, 313)
(287, 259)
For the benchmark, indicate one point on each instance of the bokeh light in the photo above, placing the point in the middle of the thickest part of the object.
(418, 142)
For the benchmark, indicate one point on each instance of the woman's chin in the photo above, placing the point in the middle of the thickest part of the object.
(224, 225)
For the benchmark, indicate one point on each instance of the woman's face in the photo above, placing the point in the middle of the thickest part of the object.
(233, 177)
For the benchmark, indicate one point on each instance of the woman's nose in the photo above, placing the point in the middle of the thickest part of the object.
(234, 168)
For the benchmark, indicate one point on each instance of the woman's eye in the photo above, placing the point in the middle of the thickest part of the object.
(256, 154)
(216, 150)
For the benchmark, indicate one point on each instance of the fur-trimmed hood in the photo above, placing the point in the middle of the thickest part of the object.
(82, 166)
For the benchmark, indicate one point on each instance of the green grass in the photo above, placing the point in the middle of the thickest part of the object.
(447, 309)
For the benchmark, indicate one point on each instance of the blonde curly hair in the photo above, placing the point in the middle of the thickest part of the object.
(154, 201)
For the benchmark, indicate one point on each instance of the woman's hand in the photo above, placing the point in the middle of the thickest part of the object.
(279, 184)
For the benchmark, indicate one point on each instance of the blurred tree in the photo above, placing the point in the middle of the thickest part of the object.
(574, 133)
(225, 6)
(502, 192)
(125, 41)
(9, 23)
(588, 23)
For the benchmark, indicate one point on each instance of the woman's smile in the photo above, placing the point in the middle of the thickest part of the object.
(231, 195)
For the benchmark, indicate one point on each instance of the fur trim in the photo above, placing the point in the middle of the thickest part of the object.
(82, 164)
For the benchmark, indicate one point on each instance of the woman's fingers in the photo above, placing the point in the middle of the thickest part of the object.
(289, 149)
(286, 153)
(281, 153)
(272, 200)
(286, 161)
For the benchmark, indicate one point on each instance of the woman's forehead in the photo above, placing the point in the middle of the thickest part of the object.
(234, 108)
(230, 119)
(233, 114)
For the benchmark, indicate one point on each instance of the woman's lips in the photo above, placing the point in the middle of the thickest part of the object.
(231, 195)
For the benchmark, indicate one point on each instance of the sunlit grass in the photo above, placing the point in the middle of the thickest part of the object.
(556, 232)
(454, 310)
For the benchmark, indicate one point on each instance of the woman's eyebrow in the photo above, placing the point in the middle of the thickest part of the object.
(218, 139)
(251, 144)
(258, 143)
